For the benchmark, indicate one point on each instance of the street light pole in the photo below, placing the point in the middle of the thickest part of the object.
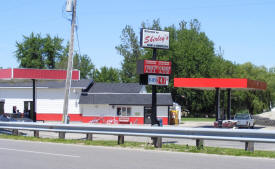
(69, 68)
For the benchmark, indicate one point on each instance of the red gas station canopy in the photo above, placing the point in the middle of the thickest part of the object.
(212, 83)
(37, 74)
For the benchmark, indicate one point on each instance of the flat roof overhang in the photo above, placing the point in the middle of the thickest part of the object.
(220, 84)
(213, 83)
(18, 74)
(15, 74)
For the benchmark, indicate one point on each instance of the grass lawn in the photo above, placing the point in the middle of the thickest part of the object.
(198, 119)
(143, 145)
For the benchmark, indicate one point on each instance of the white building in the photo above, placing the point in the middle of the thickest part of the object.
(96, 102)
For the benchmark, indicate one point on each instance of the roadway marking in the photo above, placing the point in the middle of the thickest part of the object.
(37, 152)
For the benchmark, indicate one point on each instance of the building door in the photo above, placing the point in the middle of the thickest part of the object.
(147, 115)
(2, 103)
(28, 110)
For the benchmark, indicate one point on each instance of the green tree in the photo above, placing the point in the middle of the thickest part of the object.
(38, 52)
(130, 50)
(254, 101)
(49, 53)
(83, 63)
(106, 74)
(53, 50)
(193, 55)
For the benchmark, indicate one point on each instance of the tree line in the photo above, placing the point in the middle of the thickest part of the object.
(191, 52)
(35, 51)
(193, 55)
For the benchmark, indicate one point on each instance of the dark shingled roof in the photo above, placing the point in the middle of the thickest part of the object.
(163, 99)
(84, 83)
(115, 88)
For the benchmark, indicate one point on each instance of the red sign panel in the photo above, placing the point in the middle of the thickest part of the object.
(157, 67)
(45, 74)
(212, 83)
(39, 74)
(5, 73)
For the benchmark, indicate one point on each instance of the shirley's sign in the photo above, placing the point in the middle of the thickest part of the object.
(154, 39)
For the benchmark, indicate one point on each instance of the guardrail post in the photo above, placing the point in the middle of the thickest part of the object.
(89, 136)
(199, 143)
(15, 132)
(157, 141)
(120, 139)
(36, 134)
(61, 135)
(249, 146)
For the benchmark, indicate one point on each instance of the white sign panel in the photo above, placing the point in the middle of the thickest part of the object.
(158, 80)
(154, 39)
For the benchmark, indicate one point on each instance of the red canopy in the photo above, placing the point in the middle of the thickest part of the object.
(212, 83)
(37, 74)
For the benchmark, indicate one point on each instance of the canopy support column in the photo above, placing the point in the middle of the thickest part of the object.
(228, 104)
(34, 100)
(217, 98)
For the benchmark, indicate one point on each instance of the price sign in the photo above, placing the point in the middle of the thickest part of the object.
(158, 80)
(154, 67)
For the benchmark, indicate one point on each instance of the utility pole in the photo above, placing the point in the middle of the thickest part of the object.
(69, 68)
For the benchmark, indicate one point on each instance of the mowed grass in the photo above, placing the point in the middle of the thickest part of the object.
(198, 119)
(147, 146)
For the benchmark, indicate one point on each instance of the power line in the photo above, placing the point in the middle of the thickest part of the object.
(76, 28)
(67, 17)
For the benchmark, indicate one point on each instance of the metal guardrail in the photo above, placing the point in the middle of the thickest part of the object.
(249, 136)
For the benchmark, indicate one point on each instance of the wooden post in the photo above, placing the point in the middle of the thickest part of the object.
(249, 146)
(89, 136)
(157, 141)
(120, 139)
(199, 143)
(15, 132)
(61, 135)
(36, 133)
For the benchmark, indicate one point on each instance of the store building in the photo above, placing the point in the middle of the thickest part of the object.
(88, 102)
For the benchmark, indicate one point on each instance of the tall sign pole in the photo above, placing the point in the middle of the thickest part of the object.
(154, 119)
(153, 72)
(69, 68)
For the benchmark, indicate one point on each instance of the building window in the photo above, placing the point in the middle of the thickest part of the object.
(118, 113)
(128, 111)
(124, 111)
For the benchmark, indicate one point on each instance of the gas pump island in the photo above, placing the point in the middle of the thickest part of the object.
(153, 72)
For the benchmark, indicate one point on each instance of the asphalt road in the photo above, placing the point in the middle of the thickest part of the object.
(34, 155)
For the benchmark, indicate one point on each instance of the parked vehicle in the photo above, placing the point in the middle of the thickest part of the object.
(7, 118)
(225, 123)
(240, 120)
(3, 117)
(244, 120)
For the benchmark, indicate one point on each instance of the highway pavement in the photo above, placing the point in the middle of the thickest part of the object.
(16, 154)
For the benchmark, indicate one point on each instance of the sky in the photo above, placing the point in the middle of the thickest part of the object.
(243, 29)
